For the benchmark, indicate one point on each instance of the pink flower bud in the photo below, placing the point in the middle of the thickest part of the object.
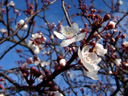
(110, 25)
(106, 17)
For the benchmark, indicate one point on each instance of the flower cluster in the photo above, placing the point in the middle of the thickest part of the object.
(36, 60)
(91, 59)
(20, 23)
(36, 42)
(70, 34)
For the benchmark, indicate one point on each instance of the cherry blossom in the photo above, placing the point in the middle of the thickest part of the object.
(20, 23)
(2, 94)
(117, 62)
(110, 25)
(44, 63)
(120, 2)
(62, 62)
(11, 3)
(70, 34)
(91, 59)
(36, 60)
(55, 93)
(36, 42)
(4, 31)
(125, 43)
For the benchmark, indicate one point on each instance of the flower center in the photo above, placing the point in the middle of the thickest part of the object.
(88, 58)
(69, 32)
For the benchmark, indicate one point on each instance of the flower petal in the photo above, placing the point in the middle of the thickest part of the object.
(67, 42)
(25, 27)
(58, 35)
(92, 74)
(95, 58)
(80, 36)
(88, 66)
(75, 27)
(100, 50)
(37, 50)
(79, 53)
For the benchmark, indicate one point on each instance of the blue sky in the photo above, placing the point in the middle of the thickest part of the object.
(55, 14)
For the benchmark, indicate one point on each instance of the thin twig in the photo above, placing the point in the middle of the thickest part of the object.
(66, 13)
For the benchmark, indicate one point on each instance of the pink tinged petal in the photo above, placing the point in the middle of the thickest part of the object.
(80, 37)
(58, 35)
(92, 74)
(67, 42)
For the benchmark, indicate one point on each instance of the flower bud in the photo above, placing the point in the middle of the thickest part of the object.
(110, 25)
(32, 70)
(55, 87)
(108, 35)
(106, 17)
(123, 36)
(2, 79)
(62, 62)
(1, 87)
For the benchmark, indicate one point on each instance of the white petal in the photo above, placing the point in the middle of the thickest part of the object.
(30, 43)
(79, 53)
(80, 36)
(88, 66)
(21, 22)
(25, 27)
(75, 27)
(37, 50)
(56, 93)
(100, 50)
(103, 52)
(43, 63)
(58, 35)
(67, 42)
(95, 58)
(92, 74)
(125, 43)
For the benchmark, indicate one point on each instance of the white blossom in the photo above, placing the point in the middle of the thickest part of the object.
(91, 59)
(126, 64)
(120, 2)
(2, 94)
(11, 3)
(110, 72)
(4, 31)
(111, 25)
(62, 62)
(100, 50)
(44, 63)
(69, 34)
(36, 41)
(37, 50)
(55, 93)
(20, 23)
(117, 62)
(125, 43)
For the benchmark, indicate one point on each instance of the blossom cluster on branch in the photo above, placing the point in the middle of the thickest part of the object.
(84, 52)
